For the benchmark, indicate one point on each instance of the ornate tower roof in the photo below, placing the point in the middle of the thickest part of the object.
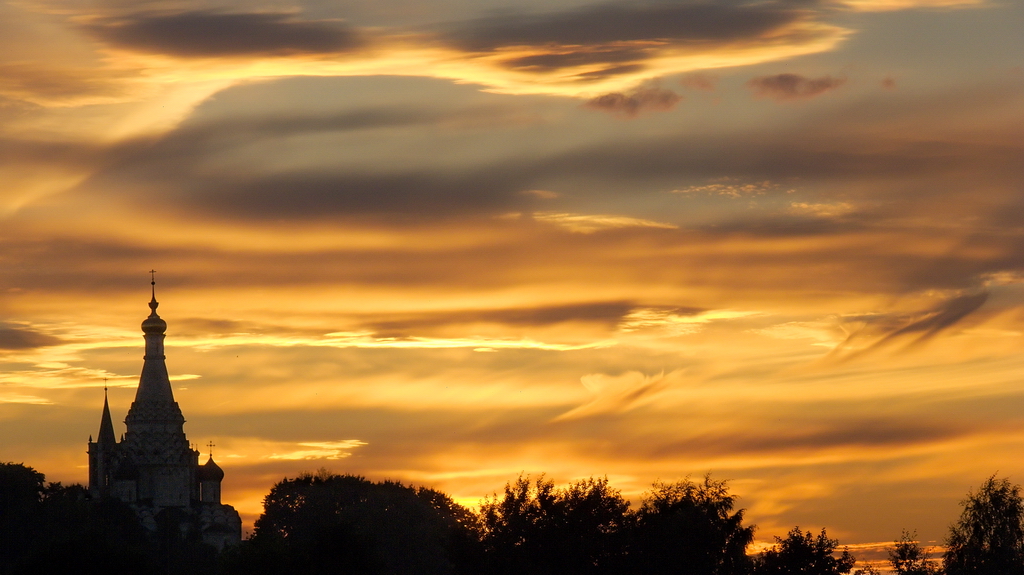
(154, 400)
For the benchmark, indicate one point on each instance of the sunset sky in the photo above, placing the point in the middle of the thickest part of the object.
(449, 241)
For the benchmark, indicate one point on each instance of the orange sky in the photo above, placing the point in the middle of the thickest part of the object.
(447, 242)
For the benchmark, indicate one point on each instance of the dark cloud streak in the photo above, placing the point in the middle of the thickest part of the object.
(17, 339)
(793, 86)
(693, 23)
(555, 61)
(608, 313)
(210, 34)
(864, 433)
(918, 328)
(624, 35)
(630, 105)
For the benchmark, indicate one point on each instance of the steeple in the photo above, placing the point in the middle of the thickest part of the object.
(154, 399)
(106, 437)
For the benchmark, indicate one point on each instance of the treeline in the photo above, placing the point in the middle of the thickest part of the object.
(322, 524)
(49, 528)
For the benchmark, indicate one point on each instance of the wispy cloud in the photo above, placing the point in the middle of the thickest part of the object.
(872, 333)
(321, 450)
(677, 321)
(22, 398)
(821, 210)
(590, 223)
(617, 393)
(822, 333)
(731, 189)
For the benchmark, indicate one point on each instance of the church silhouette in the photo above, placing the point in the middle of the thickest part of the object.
(154, 468)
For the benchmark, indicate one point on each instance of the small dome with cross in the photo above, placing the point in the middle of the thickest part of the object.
(210, 471)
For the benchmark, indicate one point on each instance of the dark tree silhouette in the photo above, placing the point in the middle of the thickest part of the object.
(21, 494)
(463, 530)
(805, 554)
(50, 528)
(536, 528)
(989, 536)
(325, 523)
(690, 528)
(907, 557)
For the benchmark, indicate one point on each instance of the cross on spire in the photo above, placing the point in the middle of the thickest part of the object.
(211, 445)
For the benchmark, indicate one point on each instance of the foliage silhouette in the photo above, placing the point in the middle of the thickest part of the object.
(805, 554)
(324, 523)
(50, 528)
(690, 528)
(537, 528)
(988, 538)
(907, 557)
(21, 494)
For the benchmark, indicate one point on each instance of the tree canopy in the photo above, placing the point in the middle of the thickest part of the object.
(988, 538)
(690, 527)
(52, 528)
(803, 553)
(325, 523)
(537, 528)
(907, 557)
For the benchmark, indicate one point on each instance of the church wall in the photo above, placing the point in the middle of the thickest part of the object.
(209, 491)
(171, 486)
(125, 490)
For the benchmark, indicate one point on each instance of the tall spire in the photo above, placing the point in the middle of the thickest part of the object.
(106, 436)
(154, 385)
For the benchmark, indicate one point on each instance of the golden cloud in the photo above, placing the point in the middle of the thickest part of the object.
(588, 224)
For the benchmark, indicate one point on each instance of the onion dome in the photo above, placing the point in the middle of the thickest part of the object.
(210, 471)
(153, 323)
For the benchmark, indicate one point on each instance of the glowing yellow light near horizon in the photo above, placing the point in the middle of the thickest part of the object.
(890, 5)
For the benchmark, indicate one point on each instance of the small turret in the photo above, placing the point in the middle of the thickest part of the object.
(106, 436)
(209, 475)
